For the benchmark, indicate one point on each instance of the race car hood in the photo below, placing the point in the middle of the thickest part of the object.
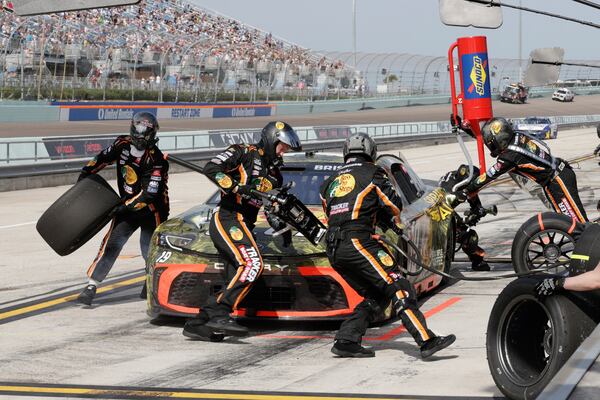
(192, 227)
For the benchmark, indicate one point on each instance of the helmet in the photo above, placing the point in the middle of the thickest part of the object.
(144, 126)
(360, 144)
(497, 134)
(275, 132)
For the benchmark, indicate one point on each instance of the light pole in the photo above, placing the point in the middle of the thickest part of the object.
(520, 42)
(354, 30)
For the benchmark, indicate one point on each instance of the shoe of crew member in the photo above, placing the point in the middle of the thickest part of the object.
(227, 326)
(480, 266)
(436, 344)
(196, 329)
(346, 348)
(87, 295)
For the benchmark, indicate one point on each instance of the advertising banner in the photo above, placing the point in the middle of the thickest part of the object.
(98, 111)
(227, 138)
(237, 111)
(76, 147)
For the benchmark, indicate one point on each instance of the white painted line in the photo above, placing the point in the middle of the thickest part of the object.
(16, 225)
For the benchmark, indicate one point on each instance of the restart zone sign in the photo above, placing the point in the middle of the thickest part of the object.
(98, 111)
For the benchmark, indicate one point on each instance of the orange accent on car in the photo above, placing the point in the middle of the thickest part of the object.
(171, 272)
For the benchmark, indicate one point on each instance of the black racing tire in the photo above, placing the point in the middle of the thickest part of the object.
(77, 215)
(537, 244)
(529, 340)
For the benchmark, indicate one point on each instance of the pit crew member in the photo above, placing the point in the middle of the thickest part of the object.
(239, 171)
(466, 235)
(528, 157)
(353, 198)
(142, 175)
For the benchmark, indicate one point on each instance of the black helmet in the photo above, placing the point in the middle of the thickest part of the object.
(275, 132)
(144, 126)
(497, 134)
(360, 144)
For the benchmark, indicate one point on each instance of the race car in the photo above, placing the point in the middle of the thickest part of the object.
(538, 127)
(563, 94)
(297, 282)
(514, 93)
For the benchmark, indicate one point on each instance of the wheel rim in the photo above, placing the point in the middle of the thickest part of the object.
(548, 247)
(525, 345)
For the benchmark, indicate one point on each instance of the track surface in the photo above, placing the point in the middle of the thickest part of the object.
(583, 105)
(54, 349)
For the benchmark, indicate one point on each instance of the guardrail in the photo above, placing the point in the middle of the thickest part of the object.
(39, 149)
(30, 164)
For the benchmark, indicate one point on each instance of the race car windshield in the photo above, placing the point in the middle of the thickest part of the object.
(307, 184)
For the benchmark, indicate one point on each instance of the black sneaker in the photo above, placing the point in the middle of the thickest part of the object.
(144, 292)
(346, 348)
(436, 344)
(87, 295)
(481, 266)
(227, 326)
(197, 330)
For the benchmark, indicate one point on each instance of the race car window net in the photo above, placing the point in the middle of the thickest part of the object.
(410, 191)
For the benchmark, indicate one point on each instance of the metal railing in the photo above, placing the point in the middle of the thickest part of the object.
(33, 150)
(40, 149)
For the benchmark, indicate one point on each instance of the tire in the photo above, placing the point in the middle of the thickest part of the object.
(77, 215)
(529, 340)
(542, 240)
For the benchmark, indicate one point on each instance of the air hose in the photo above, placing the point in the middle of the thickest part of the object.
(422, 266)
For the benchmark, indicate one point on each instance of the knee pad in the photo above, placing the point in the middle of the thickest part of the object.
(405, 296)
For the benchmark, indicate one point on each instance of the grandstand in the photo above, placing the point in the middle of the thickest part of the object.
(160, 45)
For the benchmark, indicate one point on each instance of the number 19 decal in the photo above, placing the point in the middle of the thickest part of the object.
(164, 257)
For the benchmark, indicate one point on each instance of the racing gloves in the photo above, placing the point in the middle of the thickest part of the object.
(244, 190)
(549, 286)
(456, 198)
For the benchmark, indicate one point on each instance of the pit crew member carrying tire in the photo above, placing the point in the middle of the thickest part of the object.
(352, 199)
(528, 157)
(142, 174)
(239, 171)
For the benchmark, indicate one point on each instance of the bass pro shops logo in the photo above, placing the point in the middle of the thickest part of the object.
(253, 263)
(475, 75)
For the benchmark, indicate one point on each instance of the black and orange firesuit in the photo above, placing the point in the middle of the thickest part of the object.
(531, 158)
(353, 199)
(142, 180)
(233, 220)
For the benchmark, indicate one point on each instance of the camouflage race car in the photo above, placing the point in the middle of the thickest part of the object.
(298, 281)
